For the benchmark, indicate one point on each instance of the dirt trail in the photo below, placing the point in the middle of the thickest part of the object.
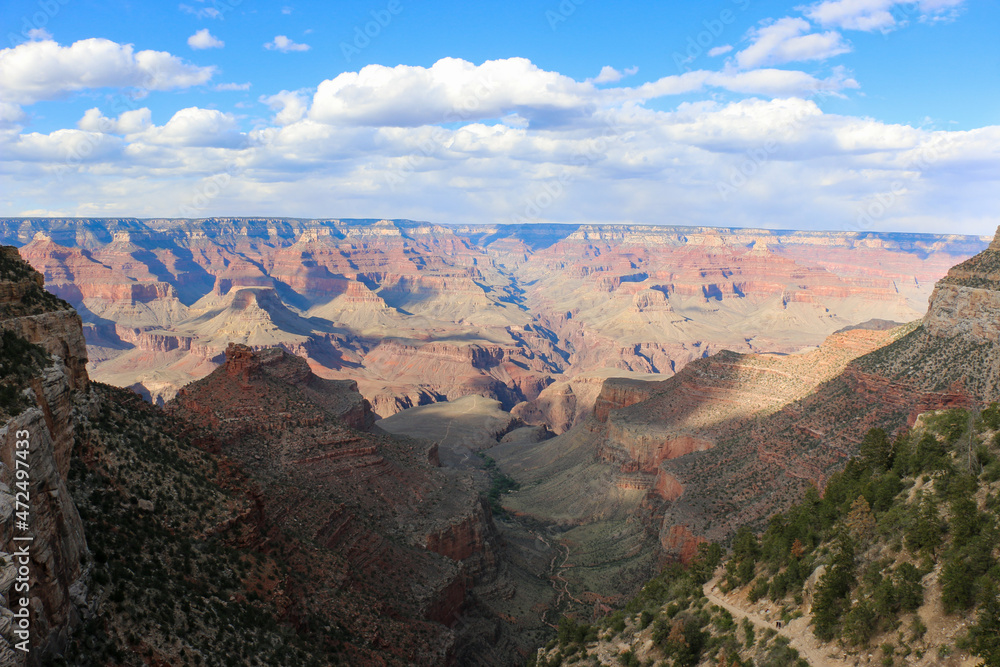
(797, 631)
(555, 574)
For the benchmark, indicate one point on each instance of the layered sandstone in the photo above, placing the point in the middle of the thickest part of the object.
(416, 536)
(162, 298)
(57, 575)
(966, 302)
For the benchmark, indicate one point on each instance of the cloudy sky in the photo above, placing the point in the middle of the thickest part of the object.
(831, 114)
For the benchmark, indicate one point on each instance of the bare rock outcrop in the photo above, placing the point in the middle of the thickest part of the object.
(55, 571)
(966, 302)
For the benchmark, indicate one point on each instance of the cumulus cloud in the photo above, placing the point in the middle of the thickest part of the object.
(455, 90)
(869, 15)
(203, 39)
(789, 40)
(772, 82)
(45, 70)
(196, 127)
(609, 74)
(10, 115)
(290, 106)
(128, 122)
(285, 45)
(375, 141)
(719, 50)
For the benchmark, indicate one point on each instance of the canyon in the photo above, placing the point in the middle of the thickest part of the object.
(409, 443)
(534, 316)
(261, 484)
(732, 439)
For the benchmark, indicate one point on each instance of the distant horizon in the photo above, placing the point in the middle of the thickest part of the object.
(984, 237)
(823, 114)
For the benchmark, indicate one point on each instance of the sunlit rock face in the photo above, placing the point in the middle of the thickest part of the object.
(417, 313)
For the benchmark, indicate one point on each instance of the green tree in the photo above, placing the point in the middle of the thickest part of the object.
(985, 634)
(924, 533)
(909, 587)
(745, 544)
(860, 623)
(876, 450)
(832, 590)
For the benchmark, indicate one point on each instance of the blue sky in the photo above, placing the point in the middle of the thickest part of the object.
(863, 114)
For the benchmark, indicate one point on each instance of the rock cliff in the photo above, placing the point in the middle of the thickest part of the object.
(732, 438)
(417, 313)
(57, 575)
(966, 302)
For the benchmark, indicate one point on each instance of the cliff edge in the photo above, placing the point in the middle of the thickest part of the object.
(43, 373)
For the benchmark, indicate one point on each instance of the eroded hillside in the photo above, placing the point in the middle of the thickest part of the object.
(256, 521)
(894, 564)
(417, 313)
(732, 439)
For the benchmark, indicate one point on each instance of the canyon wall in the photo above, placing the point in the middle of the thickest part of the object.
(417, 313)
(57, 571)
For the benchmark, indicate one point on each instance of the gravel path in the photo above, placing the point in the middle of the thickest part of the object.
(797, 632)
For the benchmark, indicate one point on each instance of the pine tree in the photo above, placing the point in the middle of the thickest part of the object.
(860, 521)
(876, 450)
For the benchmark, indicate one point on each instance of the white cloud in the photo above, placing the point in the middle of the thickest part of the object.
(285, 45)
(203, 39)
(232, 86)
(290, 105)
(65, 148)
(609, 74)
(613, 158)
(45, 70)
(39, 34)
(788, 40)
(719, 50)
(128, 122)
(454, 90)
(10, 114)
(869, 15)
(196, 127)
(772, 82)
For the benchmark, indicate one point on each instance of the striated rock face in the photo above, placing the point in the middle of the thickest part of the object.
(416, 540)
(58, 550)
(966, 302)
(417, 313)
(57, 576)
(617, 393)
(732, 438)
(471, 540)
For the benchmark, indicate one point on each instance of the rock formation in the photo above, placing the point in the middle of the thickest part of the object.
(733, 438)
(966, 302)
(56, 571)
(417, 313)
